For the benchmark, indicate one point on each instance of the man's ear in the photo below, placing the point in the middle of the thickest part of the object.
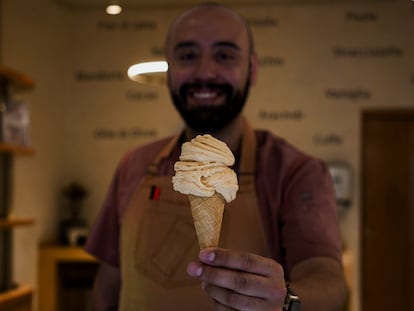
(254, 67)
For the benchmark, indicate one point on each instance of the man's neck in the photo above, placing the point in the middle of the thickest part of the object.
(230, 134)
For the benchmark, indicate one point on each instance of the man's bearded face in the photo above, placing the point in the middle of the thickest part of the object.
(204, 118)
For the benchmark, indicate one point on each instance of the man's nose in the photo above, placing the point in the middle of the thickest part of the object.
(206, 68)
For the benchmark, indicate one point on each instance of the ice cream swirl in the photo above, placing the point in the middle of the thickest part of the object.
(204, 169)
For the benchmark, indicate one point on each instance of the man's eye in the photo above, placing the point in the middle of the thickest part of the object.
(186, 56)
(225, 57)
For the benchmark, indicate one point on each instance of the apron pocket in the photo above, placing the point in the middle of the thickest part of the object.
(166, 243)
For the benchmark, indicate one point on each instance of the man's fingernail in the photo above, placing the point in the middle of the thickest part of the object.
(199, 271)
(208, 256)
(195, 270)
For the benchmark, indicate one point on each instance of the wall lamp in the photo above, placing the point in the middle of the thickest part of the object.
(148, 72)
(113, 7)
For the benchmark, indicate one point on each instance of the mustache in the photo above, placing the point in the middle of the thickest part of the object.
(224, 87)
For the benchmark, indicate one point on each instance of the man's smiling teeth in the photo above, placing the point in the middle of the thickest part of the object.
(204, 95)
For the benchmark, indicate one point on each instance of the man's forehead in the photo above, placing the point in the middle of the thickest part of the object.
(213, 14)
(213, 23)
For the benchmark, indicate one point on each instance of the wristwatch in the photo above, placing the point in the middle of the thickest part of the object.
(292, 301)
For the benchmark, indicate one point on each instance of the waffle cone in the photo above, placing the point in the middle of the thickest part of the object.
(207, 216)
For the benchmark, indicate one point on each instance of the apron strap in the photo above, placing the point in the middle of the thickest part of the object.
(248, 156)
(248, 151)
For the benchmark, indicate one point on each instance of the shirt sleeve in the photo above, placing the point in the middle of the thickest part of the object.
(309, 216)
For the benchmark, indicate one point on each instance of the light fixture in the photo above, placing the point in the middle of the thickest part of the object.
(113, 7)
(148, 72)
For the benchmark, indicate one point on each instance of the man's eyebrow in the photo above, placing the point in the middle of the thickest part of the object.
(184, 44)
(229, 44)
(190, 43)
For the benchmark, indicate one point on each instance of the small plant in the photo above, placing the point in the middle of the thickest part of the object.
(75, 193)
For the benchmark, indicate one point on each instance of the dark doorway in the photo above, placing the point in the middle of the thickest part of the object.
(387, 214)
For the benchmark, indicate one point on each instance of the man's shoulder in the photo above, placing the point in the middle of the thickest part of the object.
(278, 157)
(269, 143)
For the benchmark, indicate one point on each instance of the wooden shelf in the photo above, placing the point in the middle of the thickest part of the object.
(16, 79)
(14, 222)
(16, 299)
(16, 149)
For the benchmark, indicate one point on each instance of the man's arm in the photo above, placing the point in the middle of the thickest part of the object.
(320, 284)
(105, 292)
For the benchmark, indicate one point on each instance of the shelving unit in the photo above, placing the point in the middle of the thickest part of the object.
(12, 297)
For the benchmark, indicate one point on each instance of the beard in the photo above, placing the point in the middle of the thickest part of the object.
(210, 118)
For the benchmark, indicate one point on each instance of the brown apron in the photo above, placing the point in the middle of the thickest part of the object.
(158, 239)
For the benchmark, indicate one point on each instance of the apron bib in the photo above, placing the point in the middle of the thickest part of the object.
(158, 238)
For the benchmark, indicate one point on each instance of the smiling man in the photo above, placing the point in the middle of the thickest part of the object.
(211, 67)
(280, 247)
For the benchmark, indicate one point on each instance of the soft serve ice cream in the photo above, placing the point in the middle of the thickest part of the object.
(203, 173)
(204, 169)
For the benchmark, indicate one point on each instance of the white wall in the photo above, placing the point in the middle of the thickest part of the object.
(307, 92)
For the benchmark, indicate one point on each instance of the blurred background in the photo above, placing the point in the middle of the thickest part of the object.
(336, 79)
